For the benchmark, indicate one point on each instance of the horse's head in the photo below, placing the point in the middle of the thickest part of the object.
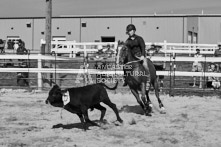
(121, 54)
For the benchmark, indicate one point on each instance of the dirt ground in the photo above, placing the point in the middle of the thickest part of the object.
(25, 120)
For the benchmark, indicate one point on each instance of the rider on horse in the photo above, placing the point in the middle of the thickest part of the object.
(136, 48)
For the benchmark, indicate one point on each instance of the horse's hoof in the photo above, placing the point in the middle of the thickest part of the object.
(162, 110)
(148, 114)
(120, 120)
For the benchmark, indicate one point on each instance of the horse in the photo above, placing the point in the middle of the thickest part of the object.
(136, 79)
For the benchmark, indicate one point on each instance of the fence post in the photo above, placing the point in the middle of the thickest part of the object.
(171, 64)
(85, 67)
(165, 54)
(190, 50)
(174, 71)
(39, 72)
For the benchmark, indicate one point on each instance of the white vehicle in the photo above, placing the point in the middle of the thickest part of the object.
(68, 48)
(62, 49)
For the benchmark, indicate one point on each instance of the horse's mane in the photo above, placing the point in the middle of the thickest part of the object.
(121, 53)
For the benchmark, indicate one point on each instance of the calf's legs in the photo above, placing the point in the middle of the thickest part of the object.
(102, 109)
(114, 108)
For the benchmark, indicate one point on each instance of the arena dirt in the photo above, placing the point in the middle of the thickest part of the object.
(25, 120)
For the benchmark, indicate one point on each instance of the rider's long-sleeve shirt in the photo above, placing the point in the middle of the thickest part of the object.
(136, 46)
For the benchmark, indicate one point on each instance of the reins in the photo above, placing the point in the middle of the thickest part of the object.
(132, 62)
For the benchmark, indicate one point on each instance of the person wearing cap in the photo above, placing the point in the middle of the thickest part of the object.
(136, 47)
(217, 53)
(197, 67)
(109, 51)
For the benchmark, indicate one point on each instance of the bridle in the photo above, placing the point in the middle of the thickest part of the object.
(133, 62)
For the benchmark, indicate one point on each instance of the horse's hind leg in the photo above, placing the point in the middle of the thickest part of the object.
(156, 88)
(136, 94)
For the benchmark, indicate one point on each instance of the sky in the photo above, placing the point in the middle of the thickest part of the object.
(37, 8)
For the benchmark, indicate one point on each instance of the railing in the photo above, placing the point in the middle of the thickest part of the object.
(73, 47)
(167, 48)
(170, 49)
(186, 48)
(40, 58)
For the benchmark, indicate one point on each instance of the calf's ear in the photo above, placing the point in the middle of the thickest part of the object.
(56, 86)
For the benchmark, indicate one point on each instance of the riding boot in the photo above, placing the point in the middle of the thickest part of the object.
(124, 77)
(145, 65)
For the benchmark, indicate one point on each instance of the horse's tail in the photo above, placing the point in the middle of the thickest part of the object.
(110, 88)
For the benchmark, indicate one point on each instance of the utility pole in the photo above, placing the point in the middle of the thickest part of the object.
(47, 48)
(48, 26)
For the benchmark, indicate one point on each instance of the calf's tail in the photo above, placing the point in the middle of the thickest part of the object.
(110, 88)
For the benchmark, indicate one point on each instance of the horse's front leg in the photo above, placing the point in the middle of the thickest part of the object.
(156, 88)
(136, 94)
(150, 110)
(144, 99)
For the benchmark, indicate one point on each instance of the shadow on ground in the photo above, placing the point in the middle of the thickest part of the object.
(71, 126)
(132, 109)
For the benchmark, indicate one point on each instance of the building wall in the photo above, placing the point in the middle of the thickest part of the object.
(192, 24)
(158, 29)
(193, 30)
(60, 27)
(210, 29)
(98, 27)
(39, 32)
(152, 29)
(16, 27)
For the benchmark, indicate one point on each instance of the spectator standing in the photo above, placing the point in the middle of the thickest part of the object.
(197, 67)
(16, 46)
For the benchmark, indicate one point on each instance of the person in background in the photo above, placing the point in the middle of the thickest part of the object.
(217, 53)
(211, 68)
(21, 50)
(213, 82)
(2, 46)
(9, 44)
(109, 51)
(197, 67)
(16, 46)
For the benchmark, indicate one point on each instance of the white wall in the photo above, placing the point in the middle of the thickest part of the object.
(19, 29)
(158, 29)
(152, 29)
(97, 27)
(210, 29)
